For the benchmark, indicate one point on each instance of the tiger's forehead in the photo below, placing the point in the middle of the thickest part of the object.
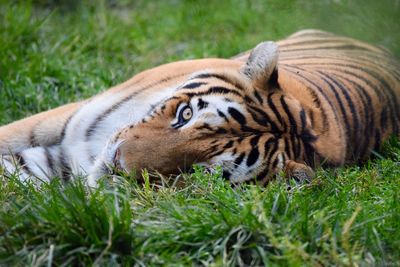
(231, 79)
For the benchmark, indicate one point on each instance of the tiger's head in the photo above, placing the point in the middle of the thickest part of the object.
(236, 118)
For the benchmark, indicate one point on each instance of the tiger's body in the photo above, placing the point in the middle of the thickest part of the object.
(327, 99)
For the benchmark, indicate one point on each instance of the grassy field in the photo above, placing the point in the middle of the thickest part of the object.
(54, 52)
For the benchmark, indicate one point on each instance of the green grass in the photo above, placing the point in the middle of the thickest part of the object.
(55, 52)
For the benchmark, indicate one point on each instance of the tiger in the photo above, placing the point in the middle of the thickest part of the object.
(311, 100)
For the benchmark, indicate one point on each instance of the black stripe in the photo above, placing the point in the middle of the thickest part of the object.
(377, 144)
(355, 133)
(263, 174)
(375, 60)
(213, 147)
(202, 104)
(396, 73)
(267, 145)
(220, 77)
(275, 163)
(216, 153)
(384, 118)
(229, 144)
(254, 140)
(277, 114)
(32, 138)
(273, 79)
(265, 119)
(215, 90)
(248, 100)
(64, 128)
(369, 120)
(221, 131)
(303, 120)
(288, 149)
(315, 97)
(193, 85)
(239, 159)
(307, 137)
(342, 110)
(213, 142)
(222, 115)
(64, 166)
(250, 130)
(269, 151)
(95, 123)
(259, 98)
(309, 154)
(49, 160)
(292, 121)
(304, 59)
(267, 155)
(205, 126)
(237, 115)
(21, 162)
(391, 98)
(254, 153)
(346, 68)
(293, 144)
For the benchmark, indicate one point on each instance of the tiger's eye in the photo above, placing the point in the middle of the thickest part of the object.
(187, 113)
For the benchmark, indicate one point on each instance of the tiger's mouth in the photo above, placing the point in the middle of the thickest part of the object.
(108, 163)
(116, 162)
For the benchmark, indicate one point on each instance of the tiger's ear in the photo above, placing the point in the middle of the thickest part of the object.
(261, 65)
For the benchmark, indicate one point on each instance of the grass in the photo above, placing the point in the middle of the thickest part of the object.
(54, 52)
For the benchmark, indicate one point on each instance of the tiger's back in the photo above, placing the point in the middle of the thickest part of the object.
(353, 89)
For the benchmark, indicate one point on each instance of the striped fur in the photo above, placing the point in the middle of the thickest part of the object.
(314, 98)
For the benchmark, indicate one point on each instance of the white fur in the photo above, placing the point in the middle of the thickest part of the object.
(77, 150)
(75, 145)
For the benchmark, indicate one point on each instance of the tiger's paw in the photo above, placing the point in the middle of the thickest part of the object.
(299, 172)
